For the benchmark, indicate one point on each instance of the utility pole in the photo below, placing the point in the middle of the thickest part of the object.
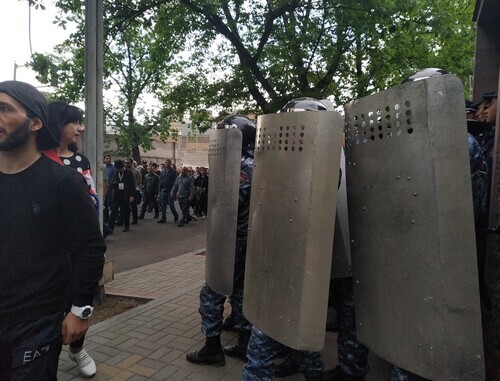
(93, 141)
(15, 69)
(94, 137)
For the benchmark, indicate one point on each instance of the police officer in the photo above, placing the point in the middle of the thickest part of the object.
(479, 194)
(353, 357)
(212, 303)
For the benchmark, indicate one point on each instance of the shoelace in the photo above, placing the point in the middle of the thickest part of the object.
(82, 357)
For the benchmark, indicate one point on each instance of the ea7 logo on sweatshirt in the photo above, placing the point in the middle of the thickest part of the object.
(32, 355)
(35, 208)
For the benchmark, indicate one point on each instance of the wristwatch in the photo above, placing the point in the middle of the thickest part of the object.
(82, 312)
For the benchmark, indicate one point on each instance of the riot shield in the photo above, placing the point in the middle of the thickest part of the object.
(412, 229)
(291, 225)
(224, 158)
(341, 260)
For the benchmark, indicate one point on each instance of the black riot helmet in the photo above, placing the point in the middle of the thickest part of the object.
(247, 128)
(303, 104)
(424, 74)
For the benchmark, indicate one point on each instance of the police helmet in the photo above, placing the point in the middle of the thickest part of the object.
(246, 126)
(303, 104)
(424, 74)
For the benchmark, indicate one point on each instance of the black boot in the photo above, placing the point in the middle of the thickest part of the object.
(239, 350)
(228, 324)
(210, 354)
(337, 374)
(287, 368)
(316, 377)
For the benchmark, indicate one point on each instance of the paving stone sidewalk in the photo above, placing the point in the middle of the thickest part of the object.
(150, 342)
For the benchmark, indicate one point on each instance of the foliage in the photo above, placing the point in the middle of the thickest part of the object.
(133, 55)
(255, 55)
(37, 4)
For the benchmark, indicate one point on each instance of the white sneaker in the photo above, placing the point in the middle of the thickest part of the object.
(85, 363)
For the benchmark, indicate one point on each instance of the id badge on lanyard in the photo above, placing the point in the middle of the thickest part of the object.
(121, 185)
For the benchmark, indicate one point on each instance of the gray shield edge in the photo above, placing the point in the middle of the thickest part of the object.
(291, 225)
(412, 229)
(224, 160)
(341, 256)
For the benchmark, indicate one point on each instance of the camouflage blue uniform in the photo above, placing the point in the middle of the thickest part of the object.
(487, 141)
(261, 352)
(479, 170)
(399, 374)
(212, 303)
(353, 356)
(479, 179)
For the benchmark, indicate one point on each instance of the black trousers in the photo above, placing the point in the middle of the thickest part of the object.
(133, 206)
(30, 350)
(149, 200)
(124, 207)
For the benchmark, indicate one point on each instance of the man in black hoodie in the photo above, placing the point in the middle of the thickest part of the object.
(52, 250)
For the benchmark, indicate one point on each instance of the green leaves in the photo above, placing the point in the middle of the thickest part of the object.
(278, 50)
(253, 55)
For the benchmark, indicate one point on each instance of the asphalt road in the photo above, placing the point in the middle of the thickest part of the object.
(149, 242)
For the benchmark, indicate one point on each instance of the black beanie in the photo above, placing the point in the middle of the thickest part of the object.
(36, 105)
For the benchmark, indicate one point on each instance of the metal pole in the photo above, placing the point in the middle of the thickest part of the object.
(99, 85)
(93, 140)
(16, 66)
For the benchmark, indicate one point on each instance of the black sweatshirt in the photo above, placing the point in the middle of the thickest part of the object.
(48, 224)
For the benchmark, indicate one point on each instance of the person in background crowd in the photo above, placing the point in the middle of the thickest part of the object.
(480, 107)
(491, 110)
(184, 191)
(167, 180)
(470, 110)
(138, 183)
(144, 165)
(109, 169)
(150, 187)
(201, 184)
(123, 195)
(156, 168)
(66, 124)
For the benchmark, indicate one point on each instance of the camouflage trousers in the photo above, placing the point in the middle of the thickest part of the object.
(353, 356)
(212, 303)
(399, 374)
(261, 352)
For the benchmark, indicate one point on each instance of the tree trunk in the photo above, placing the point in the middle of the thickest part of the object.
(136, 154)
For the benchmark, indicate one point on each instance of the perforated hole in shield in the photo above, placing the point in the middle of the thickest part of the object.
(285, 138)
(387, 121)
(215, 148)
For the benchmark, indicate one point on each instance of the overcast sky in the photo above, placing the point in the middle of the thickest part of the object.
(14, 32)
